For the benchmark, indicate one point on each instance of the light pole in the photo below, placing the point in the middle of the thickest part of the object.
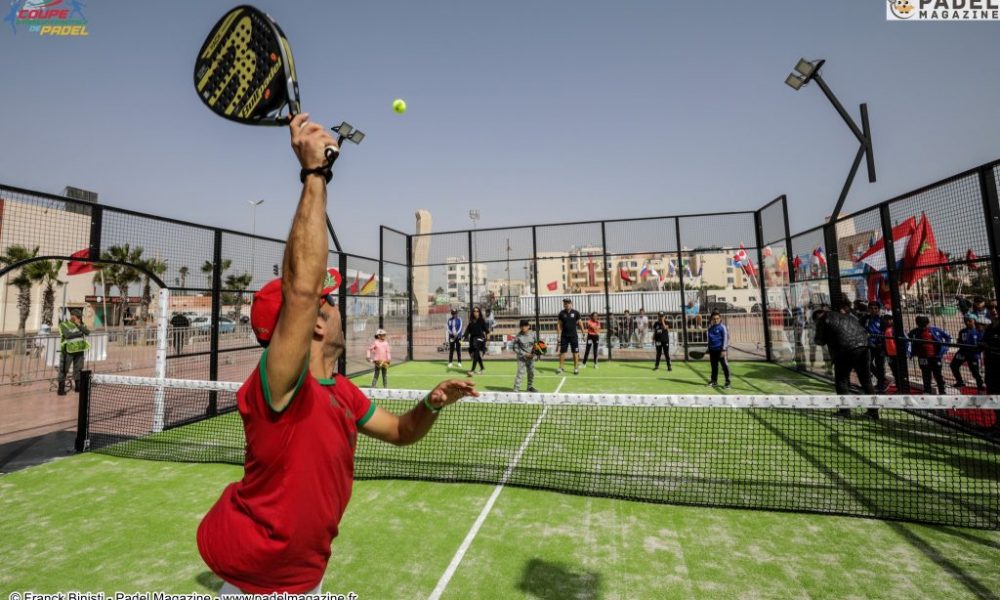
(253, 232)
(806, 71)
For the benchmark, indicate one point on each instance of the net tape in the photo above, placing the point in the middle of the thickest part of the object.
(796, 401)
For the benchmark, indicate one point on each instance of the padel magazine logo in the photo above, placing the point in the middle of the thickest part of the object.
(47, 17)
(942, 10)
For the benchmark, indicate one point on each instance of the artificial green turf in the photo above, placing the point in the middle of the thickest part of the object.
(98, 523)
(102, 523)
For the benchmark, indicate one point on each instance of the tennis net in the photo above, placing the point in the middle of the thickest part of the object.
(789, 453)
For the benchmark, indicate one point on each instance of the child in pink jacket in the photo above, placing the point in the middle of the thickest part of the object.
(380, 356)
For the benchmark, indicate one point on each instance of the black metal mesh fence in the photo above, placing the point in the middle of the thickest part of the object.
(212, 274)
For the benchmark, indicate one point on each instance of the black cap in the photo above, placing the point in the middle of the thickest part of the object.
(525, 322)
(567, 301)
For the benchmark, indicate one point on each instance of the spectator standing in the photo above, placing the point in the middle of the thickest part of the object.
(567, 326)
(180, 323)
(872, 322)
(380, 355)
(491, 322)
(928, 346)
(968, 353)
(718, 348)
(661, 339)
(523, 345)
(593, 327)
(847, 342)
(893, 348)
(641, 327)
(73, 346)
(990, 344)
(454, 333)
(476, 333)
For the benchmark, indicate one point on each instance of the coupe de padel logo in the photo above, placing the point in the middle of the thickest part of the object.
(942, 10)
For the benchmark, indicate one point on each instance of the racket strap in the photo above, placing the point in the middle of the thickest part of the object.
(325, 171)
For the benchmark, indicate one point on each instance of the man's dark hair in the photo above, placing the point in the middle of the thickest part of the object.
(76, 312)
(923, 321)
(874, 304)
(714, 314)
(844, 306)
(818, 313)
(978, 299)
(524, 322)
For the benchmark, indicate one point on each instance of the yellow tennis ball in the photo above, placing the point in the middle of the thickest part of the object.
(399, 106)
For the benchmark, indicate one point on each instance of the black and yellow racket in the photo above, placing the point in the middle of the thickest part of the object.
(245, 73)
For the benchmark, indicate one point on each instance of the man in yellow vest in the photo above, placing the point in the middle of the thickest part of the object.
(72, 345)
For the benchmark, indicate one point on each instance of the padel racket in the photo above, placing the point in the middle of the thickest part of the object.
(696, 354)
(245, 73)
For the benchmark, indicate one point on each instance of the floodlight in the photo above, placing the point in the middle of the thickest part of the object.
(794, 81)
(805, 68)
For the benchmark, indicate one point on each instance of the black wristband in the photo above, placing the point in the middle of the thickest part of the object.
(325, 171)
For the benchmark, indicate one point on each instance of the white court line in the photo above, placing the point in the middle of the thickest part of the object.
(460, 554)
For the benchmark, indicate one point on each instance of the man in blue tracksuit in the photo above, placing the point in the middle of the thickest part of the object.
(718, 344)
(968, 353)
(872, 322)
(454, 337)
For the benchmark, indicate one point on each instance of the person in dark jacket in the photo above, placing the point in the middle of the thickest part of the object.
(661, 339)
(476, 333)
(847, 341)
(892, 348)
(180, 323)
(718, 346)
(872, 322)
(968, 353)
(990, 345)
(928, 344)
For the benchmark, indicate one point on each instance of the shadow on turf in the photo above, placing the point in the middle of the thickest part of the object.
(553, 581)
(210, 581)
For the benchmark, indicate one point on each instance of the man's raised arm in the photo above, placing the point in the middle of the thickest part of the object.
(303, 269)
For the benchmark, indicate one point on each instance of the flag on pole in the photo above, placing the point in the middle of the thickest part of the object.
(552, 285)
(921, 253)
(79, 268)
(644, 273)
(354, 286)
(874, 257)
(671, 269)
(591, 271)
(797, 263)
(370, 286)
(623, 273)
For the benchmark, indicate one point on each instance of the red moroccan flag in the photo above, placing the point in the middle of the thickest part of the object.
(921, 253)
(79, 268)
(971, 257)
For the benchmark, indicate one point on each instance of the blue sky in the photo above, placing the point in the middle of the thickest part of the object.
(531, 112)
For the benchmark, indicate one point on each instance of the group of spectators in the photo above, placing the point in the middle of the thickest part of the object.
(860, 338)
(476, 332)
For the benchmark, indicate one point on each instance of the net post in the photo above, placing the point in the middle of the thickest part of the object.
(758, 226)
(607, 294)
(82, 443)
(991, 208)
(213, 358)
(680, 280)
(409, 297)
(161, 359)
(342, 301)
(898, 327)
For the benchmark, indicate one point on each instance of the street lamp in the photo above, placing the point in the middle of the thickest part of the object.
(253, 231)
(805, 72)
(808, 71)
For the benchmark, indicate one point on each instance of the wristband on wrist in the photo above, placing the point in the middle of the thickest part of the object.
(326, 172)
(431, 407)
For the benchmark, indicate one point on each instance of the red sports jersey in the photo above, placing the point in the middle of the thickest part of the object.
(271, 532)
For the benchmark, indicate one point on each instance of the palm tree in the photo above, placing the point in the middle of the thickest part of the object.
(24, 281)
(208, 268)
(183, 272)
(239, 284)
(123, 275)
(49, 273)
(158, 267)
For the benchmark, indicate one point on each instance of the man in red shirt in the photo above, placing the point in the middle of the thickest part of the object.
(271, 531)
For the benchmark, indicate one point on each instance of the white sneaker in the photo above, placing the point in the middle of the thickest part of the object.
(595, 365)
(459, 364)
(576, 371)
(449, 365)
(559, 370)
